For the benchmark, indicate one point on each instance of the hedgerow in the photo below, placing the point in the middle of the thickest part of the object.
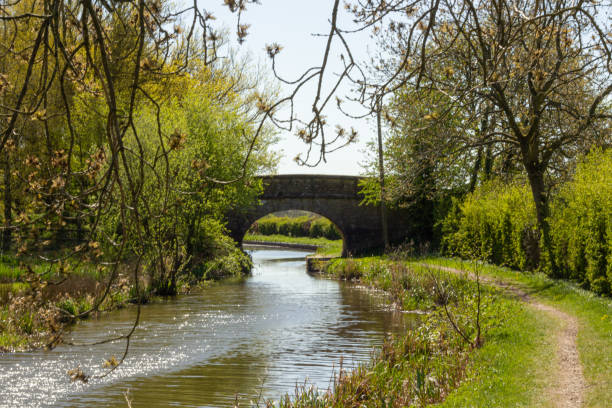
(304, 226)
(497, 223)
(582, 223)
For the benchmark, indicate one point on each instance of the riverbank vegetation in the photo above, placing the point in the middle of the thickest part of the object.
(323, 246)
(475, 345)
(497, 222)
(37, 302)
(119, 163)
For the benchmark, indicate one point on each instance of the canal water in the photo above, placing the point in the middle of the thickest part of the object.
(262, 336)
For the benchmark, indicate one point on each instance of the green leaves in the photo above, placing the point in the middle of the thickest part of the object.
(582, 223)
(497, 223)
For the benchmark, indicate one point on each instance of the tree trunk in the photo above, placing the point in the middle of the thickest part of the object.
(484, 128)
(540, 198)
(381, 174)
(8, 204)
(488, 164)
(475, 170)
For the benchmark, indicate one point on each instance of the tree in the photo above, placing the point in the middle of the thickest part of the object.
(101, 159)
(543, 69)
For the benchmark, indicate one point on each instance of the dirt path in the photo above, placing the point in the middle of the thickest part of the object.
(569, 386)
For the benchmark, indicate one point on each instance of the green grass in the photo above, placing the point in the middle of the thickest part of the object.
(513, 366)
(431, 364)
(326, 246)
(11, 271)
(594, 314)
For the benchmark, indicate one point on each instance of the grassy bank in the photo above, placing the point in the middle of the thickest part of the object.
(38, 303)
(325, 246)
(594, 314)
(508, 366)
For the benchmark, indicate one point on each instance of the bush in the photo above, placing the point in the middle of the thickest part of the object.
(497, 223)
(323, 228)
(581, 223)
(304, 226)
(494, 223)
(229, 261)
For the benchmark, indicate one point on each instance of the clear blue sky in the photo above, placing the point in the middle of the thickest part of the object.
(291, 23)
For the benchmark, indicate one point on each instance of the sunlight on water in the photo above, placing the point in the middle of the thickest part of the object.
(277, 328)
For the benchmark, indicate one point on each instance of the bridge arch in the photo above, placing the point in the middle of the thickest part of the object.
(307, 220)
(334, 197)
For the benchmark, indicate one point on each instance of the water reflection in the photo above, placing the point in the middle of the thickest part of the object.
(279, 327)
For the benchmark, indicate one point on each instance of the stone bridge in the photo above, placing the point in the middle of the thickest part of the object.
(334, 197)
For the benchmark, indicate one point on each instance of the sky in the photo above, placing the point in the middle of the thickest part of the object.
(292, 23)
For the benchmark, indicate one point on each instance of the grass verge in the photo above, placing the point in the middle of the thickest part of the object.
(435, 364)
(39, 300)
(325, 246)
(594, 314)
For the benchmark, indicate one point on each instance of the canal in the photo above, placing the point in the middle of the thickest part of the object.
(261, 336)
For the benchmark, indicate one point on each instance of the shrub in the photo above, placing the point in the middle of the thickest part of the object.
(229, 261)
(581, 223)
(497, 223)
(323, 228)
(305, 226)
(494, 223)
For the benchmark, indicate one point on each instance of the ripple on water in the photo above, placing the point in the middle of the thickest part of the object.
(278, 328)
